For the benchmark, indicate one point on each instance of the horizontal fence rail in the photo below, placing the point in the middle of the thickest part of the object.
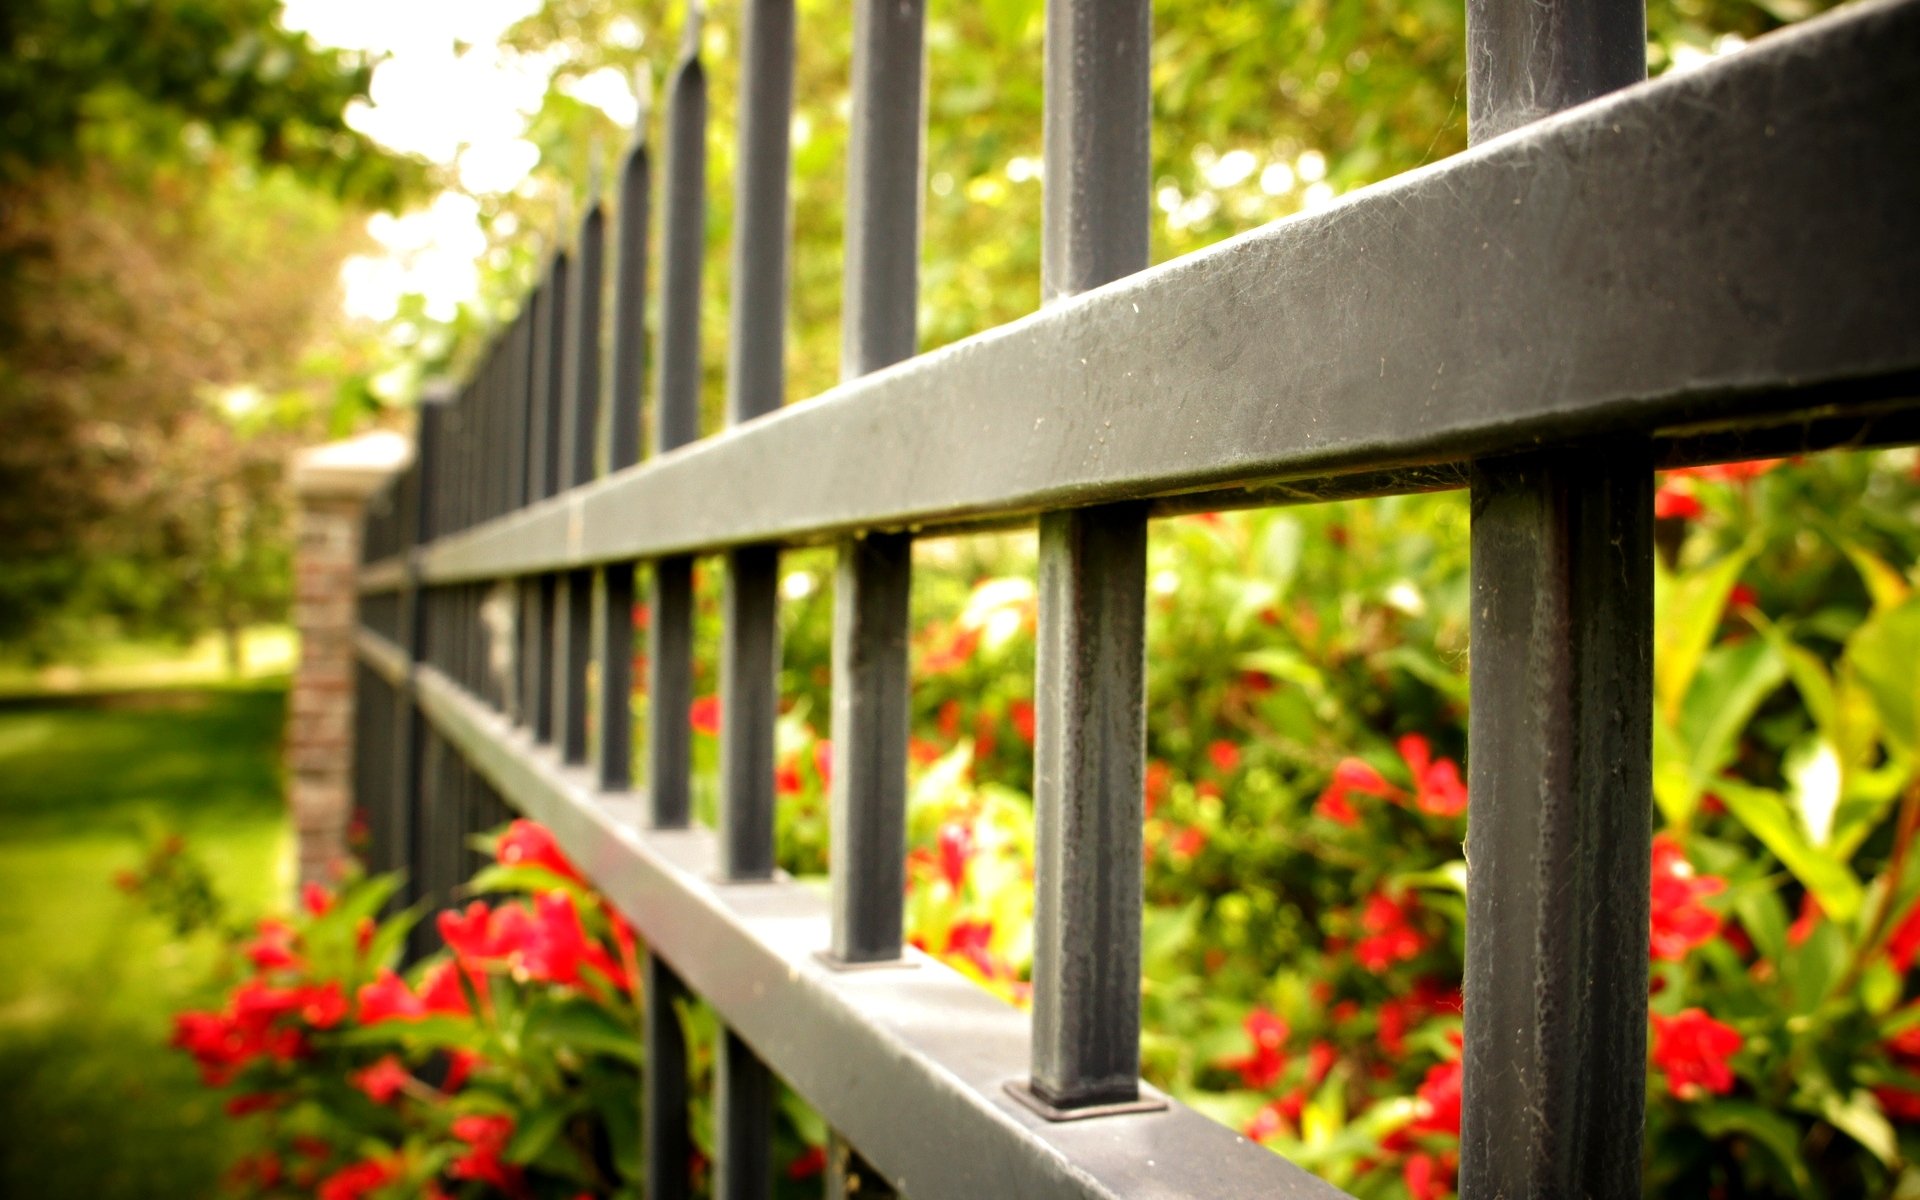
(1618, 276)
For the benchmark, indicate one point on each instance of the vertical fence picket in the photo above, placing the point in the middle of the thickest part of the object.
(579, 408)
(676, 422)
(874, 579)
(750, 641)
(1560, 748)
(1089, 701)
(622, 449)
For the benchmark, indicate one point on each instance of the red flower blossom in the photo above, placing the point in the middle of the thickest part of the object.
(383, 1080)
(1159, 782)
(441, 992)
(468, 934)
(949, 720)
(1021, 713)
(1674, 501)
(529, 844)
(1320, 1059)
(323, 1005)
(360, 1179)
(969, 940)
(460, 1067)
(786, 778)
(486, 1138)
(273, 949)
(1224, 755)
(1260, 1069)
(1438, 788)
(704, 715)
(1904, 945)
(1679, 921)
(1275, 1117)
(823, 762)
(1429, 1176)
(1803, 925)
(1899, 1104)
(316, 899)
(1693, 1049)
(387, 998)
(1439, 1096)
(1390, 935)
(251, 1102)
(809, 1164)
(956, 849)
(1190, 841)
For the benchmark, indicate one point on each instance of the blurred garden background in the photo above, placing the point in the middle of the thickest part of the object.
(231, 228)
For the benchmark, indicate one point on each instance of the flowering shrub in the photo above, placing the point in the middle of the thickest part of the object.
(507, 1065)
(1304, 811)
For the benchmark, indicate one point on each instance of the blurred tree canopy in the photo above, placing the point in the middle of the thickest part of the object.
(178, 187)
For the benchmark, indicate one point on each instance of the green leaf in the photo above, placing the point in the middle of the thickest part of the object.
(523, 879)
(1884, 656)
(1687, 609)
(1779, 1136)
(583, 1026)
(439, 1033)
(1859, 1117)
(1764, 918)
(1768, 818)
(1886, 585)
(537, 1130)
(1730, 685)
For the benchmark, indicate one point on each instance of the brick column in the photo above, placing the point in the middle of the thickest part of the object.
(331, 485)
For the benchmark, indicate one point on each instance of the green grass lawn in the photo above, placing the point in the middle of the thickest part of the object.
(92, 1103)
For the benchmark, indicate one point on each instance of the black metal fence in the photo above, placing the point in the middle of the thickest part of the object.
(1718, 265)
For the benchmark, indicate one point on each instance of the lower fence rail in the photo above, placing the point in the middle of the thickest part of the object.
(911, 1066)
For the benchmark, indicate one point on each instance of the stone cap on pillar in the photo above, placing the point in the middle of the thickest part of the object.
(352, 469)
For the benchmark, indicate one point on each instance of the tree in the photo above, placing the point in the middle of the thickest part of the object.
(177, 189)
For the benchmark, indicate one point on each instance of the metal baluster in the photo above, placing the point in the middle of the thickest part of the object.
(750, 643)
(1560, 746)
(418, 526)
(580, 404)
(874, 580)
(670, 617)
(1089, 702)
(615, 627)
(676, 423)
(549, 403)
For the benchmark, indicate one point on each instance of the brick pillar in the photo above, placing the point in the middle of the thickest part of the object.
(331, 485)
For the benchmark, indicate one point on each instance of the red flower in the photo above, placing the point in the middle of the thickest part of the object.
(486, 1137)
(956, 848)
(387, 998)
(786, 779)
(969, 940)
(528, 844)
(383, 1080)
(1674, 501)
(1439, 1097)
(1351, 775)
(1803, 925)
(1261, 1068)
(1390, 935)
(1021, 713)
(809, 1164)
(1429, 1176)
(1904, 945)
(1320, 1059)
(823, 762)
(251, 1102)
(316, 899)
(1273, 1118)
(704, 715)
(441, 993)
(1159, 783)
(468, 934)
(360, 1179)
(323, 1005)
(1899, 1104)
(1679, 921)
(273, 949)
(1693, 1049)
(1439, 790)
(1224, 754)
(460, 1065)
(1188, 842)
